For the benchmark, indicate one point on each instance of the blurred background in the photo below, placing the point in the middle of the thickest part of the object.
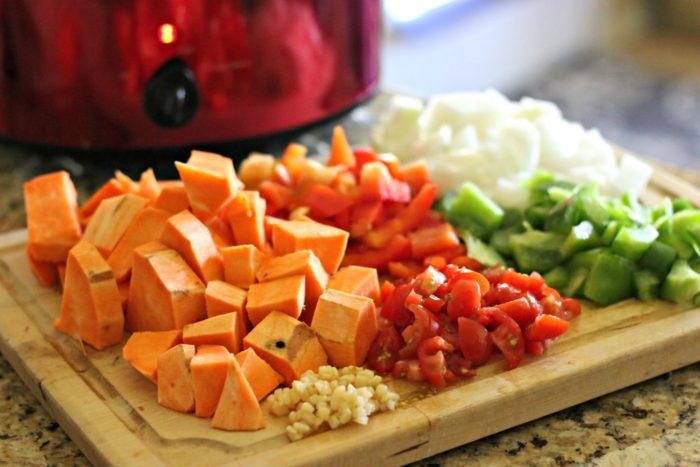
(628, 67)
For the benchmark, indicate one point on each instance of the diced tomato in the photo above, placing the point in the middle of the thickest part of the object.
(394, 308)
(409, 369)
(464, 299)
(535, 348)
(432, 361)
(458, 367)
(464, 273)
(413, 298)
(428, 281)
(474, 341)
(536, 282)
(546, 327)
(516, 280)
(449, 331)
(506, 293)
(433, 303)
(323, 200)
(423, 327)
(520, 310)
(571, 306)
(508, 338)
(384, 351)
(493, 274)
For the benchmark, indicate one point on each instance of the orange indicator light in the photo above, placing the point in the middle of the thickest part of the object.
(167, 33)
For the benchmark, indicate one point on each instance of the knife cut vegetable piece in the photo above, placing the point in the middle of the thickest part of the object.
(110, 189)
(285, 295)
(224, 330)
(416, 174)
(222, 297)
(294, 158)
(241, 264)
(357, 280)
(546, 327)
(246, 216)
(279, 198)
(61, 269)
(146, 226)
(300, 262)
(255, 169)
(364, 216)
(633, 242)
(164, 292)
(143, 349)
(175, 379)
(172, 198)
(111, 219)
(288, 345)
(148, 185)
(328, 243)
(238, 408)
(536, 250)
(600, 288)
(52, 216)
(346, 325)
(210, 180)
(45, 272)
(341, 152)
(398, 248)
(220, 232)
(472, 210)
(581, 237)
(646, 285)
(263, 379)
(429, 240)
(90, 308)
(313, 172)
(682, 282)
(676, 232)
(209, 368)
(377, 184)
(323, 201)
(188, 236)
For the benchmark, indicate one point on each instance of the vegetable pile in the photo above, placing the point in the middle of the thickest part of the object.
(443, 323)
(586, 245)
(485, 138)
(232, 284)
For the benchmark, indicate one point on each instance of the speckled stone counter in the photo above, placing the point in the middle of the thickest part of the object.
(651, 423)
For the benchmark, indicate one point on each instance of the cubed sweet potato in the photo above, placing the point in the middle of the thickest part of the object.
(285, 295)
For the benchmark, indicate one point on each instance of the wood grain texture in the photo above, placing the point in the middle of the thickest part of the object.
(111, 412)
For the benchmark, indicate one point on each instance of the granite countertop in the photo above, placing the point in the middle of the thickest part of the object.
(652, 423)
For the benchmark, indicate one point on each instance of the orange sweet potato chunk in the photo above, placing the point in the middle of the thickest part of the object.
(45, 272)
(172, 198)
(164, 292)
(328, 243)
(111, 219)
(285, 295)
(174, 378)
(300, 262)
(210, 180)
(220, 232)
(147, 226)
(357, 280)
(246, 216)
(52, 216)
(148, 186)
(346, 325)
(209, 370)
(238, 408)
(109, 190)
(90, 307)
(188, 236)
(241, 263)
(219, 330)
(143, 349)
(262, 377)
(222, 298)
(288, 345)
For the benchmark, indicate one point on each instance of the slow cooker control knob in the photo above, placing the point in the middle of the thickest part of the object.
(171, 98)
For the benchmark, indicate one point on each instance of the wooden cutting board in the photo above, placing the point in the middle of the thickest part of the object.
(110, 411)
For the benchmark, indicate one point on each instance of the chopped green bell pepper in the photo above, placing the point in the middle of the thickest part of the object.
(610, 280)
(658, 258)
(581, 237)
(537, 251)
(472, 210)
(682, 282)
(632, 242)
(646, 284)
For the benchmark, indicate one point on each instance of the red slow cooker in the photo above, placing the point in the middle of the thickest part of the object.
(122, 74)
